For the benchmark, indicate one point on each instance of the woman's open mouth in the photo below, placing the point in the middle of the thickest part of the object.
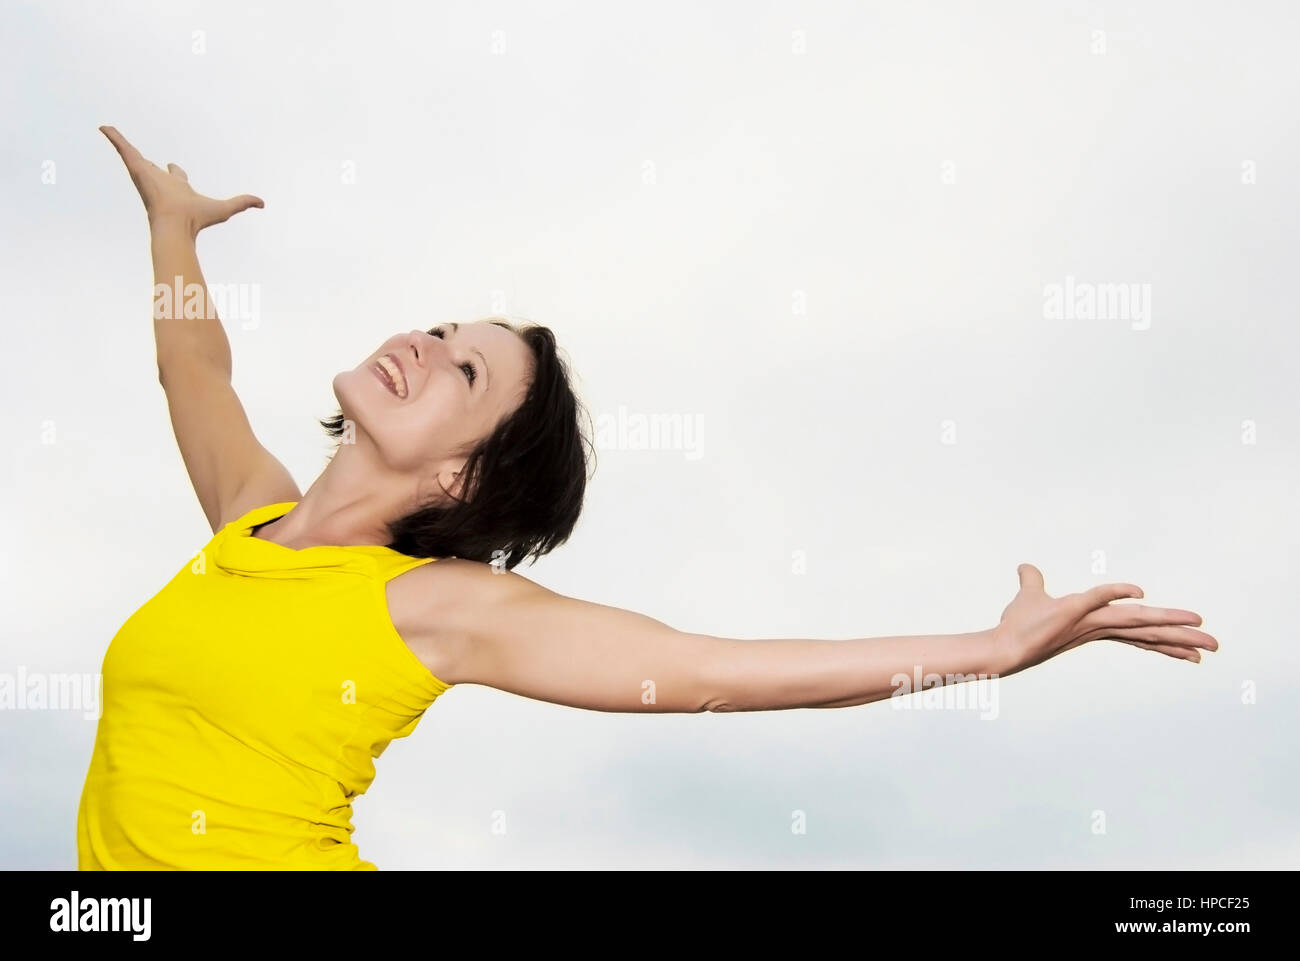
(389, 371)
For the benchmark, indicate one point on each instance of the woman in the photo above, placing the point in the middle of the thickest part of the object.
(245, 703)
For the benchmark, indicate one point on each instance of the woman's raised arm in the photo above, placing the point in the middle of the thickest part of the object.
(230, 470)
(504, 631)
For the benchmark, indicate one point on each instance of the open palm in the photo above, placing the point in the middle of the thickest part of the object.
(1036, 626)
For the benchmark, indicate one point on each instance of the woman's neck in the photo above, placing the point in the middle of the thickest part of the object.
(345, 506)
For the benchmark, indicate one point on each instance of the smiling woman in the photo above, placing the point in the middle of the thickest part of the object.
(245, 702)
(456, 378)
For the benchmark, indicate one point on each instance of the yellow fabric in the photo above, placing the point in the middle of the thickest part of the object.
(244, 706)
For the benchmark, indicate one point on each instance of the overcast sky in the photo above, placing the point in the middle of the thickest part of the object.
(852, 247)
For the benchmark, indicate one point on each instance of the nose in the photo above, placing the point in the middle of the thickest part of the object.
(421, 344)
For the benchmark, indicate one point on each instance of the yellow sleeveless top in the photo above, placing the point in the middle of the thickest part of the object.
(243, 708)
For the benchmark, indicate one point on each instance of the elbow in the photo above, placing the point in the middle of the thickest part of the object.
(725, 681)
(719, 701)
(718, 685)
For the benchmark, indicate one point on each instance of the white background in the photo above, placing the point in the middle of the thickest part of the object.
(742, 214)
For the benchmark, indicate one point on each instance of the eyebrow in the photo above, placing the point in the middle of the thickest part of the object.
(487, 371)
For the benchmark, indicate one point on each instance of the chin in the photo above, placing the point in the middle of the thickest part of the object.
(351, 397)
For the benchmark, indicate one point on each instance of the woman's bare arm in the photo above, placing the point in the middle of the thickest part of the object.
(504, 631)
(230, 470)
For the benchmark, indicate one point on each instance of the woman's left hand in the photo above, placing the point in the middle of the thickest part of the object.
(168, 198)
(1036, 627)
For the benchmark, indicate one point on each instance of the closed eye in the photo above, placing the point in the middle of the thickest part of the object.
(471, 372)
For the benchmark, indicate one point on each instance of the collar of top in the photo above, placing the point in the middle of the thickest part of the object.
(239, 551)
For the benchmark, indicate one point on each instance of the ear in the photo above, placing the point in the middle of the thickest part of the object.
(448, 484)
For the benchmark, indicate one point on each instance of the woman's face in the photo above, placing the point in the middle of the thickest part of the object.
(424, 398)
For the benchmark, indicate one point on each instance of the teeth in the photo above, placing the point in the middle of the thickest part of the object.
(395, 374)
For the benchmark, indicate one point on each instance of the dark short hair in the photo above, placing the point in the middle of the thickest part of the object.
(523, 487)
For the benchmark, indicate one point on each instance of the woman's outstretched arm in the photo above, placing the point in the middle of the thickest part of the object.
(504, 631)
(230, 470)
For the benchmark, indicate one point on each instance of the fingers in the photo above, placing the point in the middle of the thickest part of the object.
(176, 169)
(128, 153)
(1137, 615)
(1181, 637)
(225, 209)
(1172, 650)
(1105, 593)
(1031, 578)
(237, 204)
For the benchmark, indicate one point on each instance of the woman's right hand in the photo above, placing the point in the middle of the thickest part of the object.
(168, 197)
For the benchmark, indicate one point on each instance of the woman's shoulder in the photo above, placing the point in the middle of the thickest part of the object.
(433, 607)
(450, 590)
